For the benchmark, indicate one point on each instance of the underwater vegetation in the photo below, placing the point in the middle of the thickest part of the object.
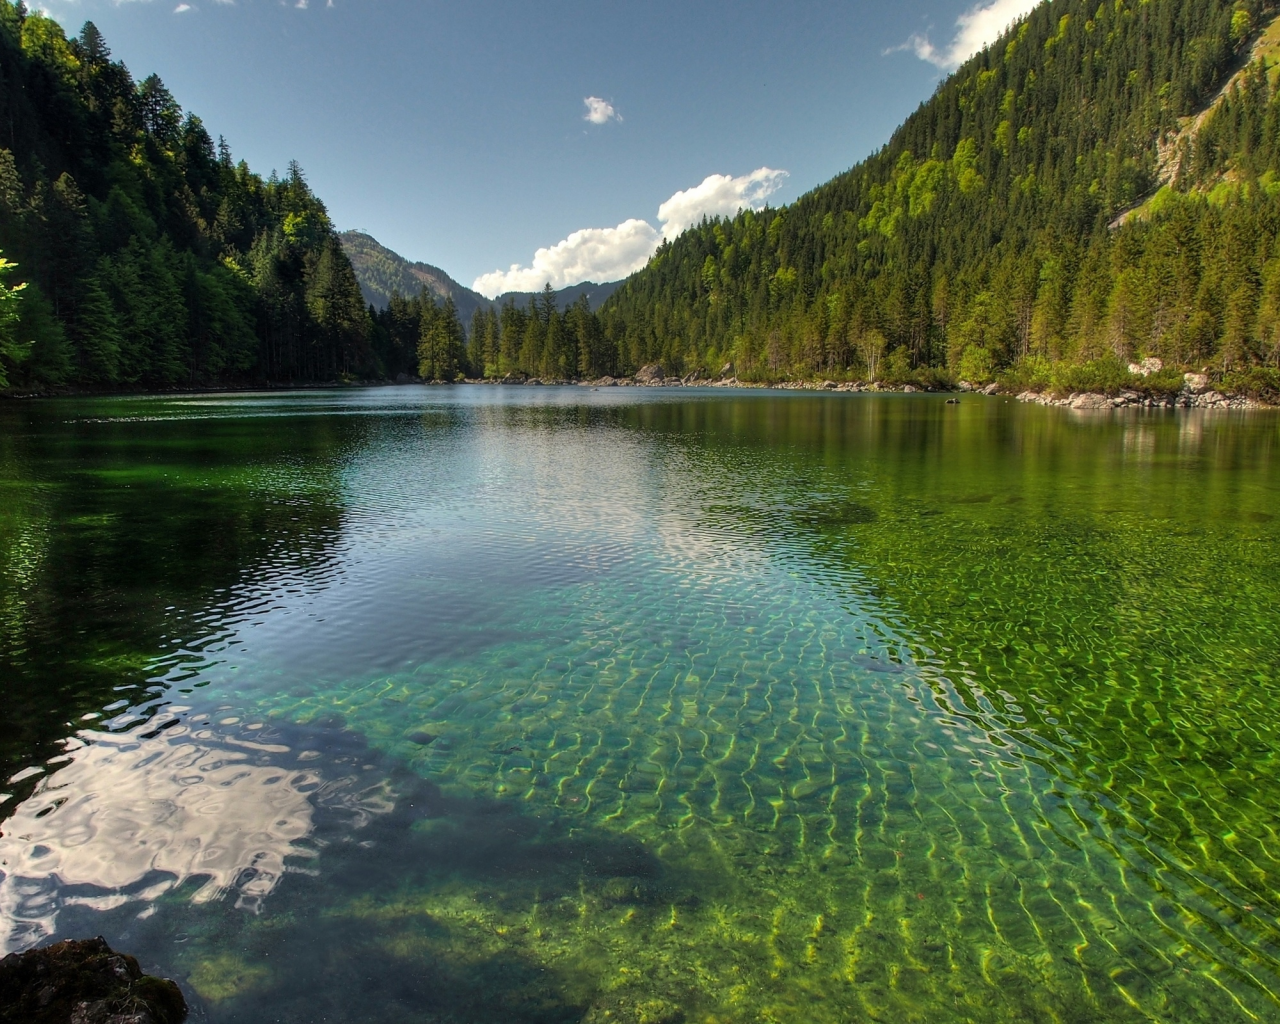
(666, 709)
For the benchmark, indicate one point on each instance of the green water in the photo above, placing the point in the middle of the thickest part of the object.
(489, 704)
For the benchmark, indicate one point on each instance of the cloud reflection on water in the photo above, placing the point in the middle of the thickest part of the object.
(137, 814)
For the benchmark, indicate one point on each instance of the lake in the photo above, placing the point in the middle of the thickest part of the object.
(646, 706)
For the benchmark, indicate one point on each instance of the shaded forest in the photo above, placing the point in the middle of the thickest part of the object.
(142, 254)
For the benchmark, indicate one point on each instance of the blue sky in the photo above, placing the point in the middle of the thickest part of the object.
(472, 134)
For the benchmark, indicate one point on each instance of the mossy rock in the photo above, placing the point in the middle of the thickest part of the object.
(84, 982)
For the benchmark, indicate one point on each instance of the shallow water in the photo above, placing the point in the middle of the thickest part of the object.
(485, 704)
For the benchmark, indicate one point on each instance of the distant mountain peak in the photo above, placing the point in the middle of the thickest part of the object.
(382, 271)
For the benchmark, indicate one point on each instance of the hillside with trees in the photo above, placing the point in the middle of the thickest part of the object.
(1100, 185)
(383, 273)
(1082, 192)
(143, 255)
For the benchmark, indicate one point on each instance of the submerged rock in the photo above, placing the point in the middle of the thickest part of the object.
(84, 982)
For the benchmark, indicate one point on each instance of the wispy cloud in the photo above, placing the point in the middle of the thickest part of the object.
(607, 254)
(977, 28)
(183, 8)
(600, 111)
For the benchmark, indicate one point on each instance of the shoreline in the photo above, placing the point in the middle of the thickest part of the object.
(1197, 394)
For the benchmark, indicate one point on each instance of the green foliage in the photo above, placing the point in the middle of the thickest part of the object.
(976, 365)
(989, 224)
(151, 259)
(441, 344)
(540, 340)
(1261, 382)
(13, 348)
(1107, 376)
(48, 357)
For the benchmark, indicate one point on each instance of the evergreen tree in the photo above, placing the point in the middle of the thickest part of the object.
(1055, 198)
(150, 258)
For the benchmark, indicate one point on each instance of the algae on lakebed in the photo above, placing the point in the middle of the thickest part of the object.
(666, 706)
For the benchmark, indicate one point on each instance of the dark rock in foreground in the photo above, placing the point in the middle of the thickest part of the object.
(84, 982)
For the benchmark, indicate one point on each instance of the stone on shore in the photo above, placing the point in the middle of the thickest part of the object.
(651, 374)
(1190, 397)
(84, 982)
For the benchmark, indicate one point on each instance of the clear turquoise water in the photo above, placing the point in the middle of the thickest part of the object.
(487, 704)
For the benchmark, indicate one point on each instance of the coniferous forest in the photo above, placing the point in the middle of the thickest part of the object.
(146, 257)
(1057, 201)
(1101, 184)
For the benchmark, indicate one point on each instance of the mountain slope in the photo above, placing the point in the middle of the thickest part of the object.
(978, 237)
(595, 294)
(382, 271)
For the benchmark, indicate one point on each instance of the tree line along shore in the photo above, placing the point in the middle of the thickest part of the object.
(1098, 188)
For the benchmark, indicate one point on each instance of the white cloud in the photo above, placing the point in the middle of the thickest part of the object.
(182, 8)
(607, 254)
(600, 111)
(592, 254)
(975, 29)
(718, 196)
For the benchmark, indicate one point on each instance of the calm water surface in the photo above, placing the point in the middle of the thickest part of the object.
(559, 705)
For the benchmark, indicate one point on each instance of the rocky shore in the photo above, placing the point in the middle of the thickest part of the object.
(653, 376)
(1196, 393)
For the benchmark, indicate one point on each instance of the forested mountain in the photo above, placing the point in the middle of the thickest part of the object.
(981, 236)
(1101, 184)
(425, 323)
(595, 294)
(146, 256)
(537, 338)
(381, 272)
